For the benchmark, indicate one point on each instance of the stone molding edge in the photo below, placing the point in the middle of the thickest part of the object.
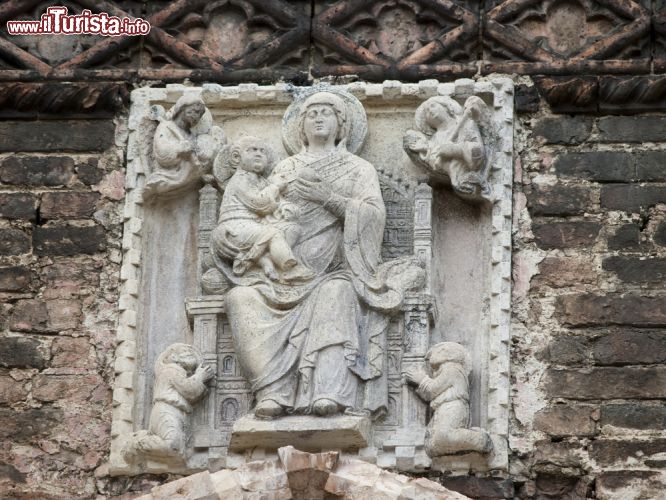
(125, 366)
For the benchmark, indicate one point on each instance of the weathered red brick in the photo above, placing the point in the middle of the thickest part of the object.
(568, 350)
(21, 426)
(18, 206)
(13, 242)
(11, 391)
(585, 309)
(564, 420)
(30, 315)
(607, 383)
(37, 170)
(553, 235)
(73, 352)
(67, 204)
(616, 451)
(15, 279)
(56, 135)
(79, 388)
(559, 272)
(68, 240)
(630, 347)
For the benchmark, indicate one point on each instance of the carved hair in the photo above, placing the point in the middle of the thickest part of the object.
(450, 352)
(183, 102)
(172, 355)
(451, 106)
(327, 99)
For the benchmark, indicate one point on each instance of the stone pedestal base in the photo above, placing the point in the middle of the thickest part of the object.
(341, 432)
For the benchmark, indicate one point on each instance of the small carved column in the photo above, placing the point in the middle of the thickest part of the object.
(409, 440)
(204, 312)
(209, 201)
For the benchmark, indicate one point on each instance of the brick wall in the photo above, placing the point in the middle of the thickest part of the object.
(588, 355)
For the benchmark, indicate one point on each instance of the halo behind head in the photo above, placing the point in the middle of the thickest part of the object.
(353, 130)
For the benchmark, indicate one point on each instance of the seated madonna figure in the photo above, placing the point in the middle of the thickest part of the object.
(317, 346)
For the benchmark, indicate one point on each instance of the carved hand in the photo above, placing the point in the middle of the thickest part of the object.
(204, 373)
(319, 192)
(415, 375)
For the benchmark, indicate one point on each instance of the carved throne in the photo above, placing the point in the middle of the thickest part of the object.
(398, 438)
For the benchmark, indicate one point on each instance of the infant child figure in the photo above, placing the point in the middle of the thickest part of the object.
(253, 221)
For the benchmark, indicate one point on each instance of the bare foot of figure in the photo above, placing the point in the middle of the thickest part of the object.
(268, 409)
(325, 407)
(268, 268)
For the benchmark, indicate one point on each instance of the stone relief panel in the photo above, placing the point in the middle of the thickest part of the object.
(306, 269)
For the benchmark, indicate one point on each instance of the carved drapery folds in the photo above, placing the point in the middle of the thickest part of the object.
(305, 263)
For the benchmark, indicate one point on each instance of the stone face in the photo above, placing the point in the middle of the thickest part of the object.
(67, 205)
(477, 487)
(567, 350)
(565, 234)
(68, 240)
(563, 130)
(37, 170)
(47, 136)
(89, 173)
(19, 352)
(565, 420)
(338, 432)
(622, 484)
(558, 272)
(22, 426)
(626, 309)
(607, 383)
(615, 452)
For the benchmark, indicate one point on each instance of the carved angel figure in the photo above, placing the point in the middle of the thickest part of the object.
(254, 224)
(183, 148)
(449, 142)
(180, 381)
(448, 393)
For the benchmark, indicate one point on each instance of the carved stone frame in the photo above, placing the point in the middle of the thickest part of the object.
(498, 92)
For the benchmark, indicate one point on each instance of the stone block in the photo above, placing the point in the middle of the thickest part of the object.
(642, 416)
(565, 420)
(625, 484)
(21, 352)
(195, 487)
(553, 235)
(74, 388)
(69, 240)
(607, 452)
(22, 426)
(563, 129)
(559, 272)
(583, 309)
(626, 237)
(15, 279)
(568, 350)
(636, 270)
(11, 391)
(659, 236)
(607, 383)
(630, 347)
(18, 206)
(631, 197)
(13, 242)
(479, 487)
(303, 432)
(56, 135)
(67, 204)
(73, 352)
(30, 315)
(37, 170)
(561, 486)
(89, 173)
(526, 99)
(632, 128)
(558, 200)
(600, 166)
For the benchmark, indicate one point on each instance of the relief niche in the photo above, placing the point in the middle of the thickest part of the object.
(297, 288)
